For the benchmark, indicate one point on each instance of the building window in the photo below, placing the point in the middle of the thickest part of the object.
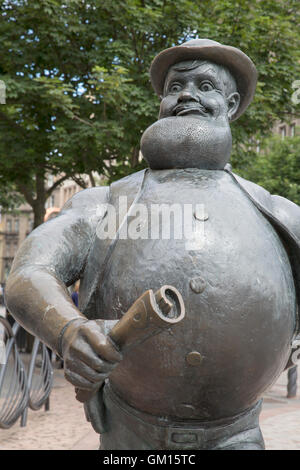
(7, 254)
(7, 267)
(17, 224)
(50, 202)
(9, 225)
(282, 131)
(293, 130)
(50, 180)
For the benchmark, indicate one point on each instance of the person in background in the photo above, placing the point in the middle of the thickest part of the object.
(75, 293)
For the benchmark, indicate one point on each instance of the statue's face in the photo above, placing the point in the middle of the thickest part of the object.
(192, 130)
(200, 92)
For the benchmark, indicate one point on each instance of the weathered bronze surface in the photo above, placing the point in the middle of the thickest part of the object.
(196, 384)
(148, 316)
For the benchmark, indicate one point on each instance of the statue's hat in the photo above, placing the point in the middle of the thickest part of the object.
(238, 63)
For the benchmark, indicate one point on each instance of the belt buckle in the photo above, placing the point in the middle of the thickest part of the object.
(184, 438)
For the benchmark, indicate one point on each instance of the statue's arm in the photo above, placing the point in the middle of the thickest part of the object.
(288, 213)
(52, 257)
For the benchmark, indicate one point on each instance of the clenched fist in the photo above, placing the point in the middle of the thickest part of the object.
(89, 355)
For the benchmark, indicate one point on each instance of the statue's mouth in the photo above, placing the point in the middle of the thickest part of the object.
(181, 110)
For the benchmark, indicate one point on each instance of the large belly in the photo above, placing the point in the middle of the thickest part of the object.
(239, 296)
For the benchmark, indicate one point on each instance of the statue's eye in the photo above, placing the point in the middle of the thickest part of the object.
(175, 88)
(206, 86)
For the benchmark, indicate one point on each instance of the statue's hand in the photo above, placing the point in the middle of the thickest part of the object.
(89, 355)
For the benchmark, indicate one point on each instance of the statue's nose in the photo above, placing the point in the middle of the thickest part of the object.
(188, 94)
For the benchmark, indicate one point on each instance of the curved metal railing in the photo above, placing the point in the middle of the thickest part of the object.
(40, 379)
(13, 379)
(20, 390)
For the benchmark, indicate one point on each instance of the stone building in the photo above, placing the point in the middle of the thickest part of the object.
(288, 130)
(15, 226)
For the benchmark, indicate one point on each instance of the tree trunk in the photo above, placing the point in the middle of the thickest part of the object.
(39, 213)
(135, 157)
(40, 200)
(92, 179)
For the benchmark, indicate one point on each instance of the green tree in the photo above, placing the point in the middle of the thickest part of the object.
(267, 31)
(52, 52)
(39, 99)
(277, 167)
(78, 90)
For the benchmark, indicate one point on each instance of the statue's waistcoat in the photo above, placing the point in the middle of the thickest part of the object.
(239, 293)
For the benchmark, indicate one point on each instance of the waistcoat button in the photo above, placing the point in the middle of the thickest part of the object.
(194, 358)
(197, 285)
(200, 214)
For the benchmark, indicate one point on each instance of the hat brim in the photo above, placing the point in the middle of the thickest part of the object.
(238, 63)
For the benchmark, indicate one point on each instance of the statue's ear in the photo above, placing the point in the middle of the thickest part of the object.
(233, 102)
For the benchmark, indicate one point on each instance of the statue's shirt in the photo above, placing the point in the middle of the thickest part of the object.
(238, 291)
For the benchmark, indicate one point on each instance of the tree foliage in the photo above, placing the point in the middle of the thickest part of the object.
(78, 90)
(277, 167)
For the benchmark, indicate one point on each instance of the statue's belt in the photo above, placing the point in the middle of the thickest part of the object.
(177, 435)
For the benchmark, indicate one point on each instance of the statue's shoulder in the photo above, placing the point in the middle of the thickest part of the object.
(128, 186)
(259, 194)
(88, 198)
(129, 183)
(288, 213)
(283, 210)
(86, 204)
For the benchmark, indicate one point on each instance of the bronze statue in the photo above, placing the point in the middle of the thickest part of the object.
(196, 384)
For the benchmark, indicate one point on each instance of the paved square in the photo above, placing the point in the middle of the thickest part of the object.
(64, 427)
